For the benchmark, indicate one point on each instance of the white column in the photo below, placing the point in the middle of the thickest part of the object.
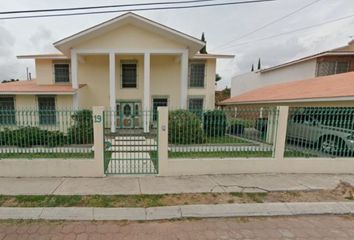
(74, 66)
(74, 78)
(76, 101)
(184, 80)
(146, 101)
(112, 90)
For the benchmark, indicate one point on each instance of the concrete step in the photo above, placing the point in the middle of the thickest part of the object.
(130, 138)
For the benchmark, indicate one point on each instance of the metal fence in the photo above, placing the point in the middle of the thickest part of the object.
(238, 132)
(131, 142)
(46, 134)
(321, 132)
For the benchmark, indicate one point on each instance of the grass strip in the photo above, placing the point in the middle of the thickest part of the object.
(130, 201)
(46, 155)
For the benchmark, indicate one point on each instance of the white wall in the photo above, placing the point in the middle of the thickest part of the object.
(253, 80)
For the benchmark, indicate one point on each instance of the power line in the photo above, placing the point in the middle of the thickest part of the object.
(267, 25)
(138, 9)
(293, 31)
(100, 7)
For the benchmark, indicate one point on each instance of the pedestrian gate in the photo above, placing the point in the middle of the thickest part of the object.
(130, 142)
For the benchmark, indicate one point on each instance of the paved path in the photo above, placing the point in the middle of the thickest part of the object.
(162, 185)
(180, 212)
(284, 228)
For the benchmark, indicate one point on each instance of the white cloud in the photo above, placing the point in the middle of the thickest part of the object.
(220, 25)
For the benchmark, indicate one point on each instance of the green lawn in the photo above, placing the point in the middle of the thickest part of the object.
(218, 154)
(225, 139)
(224, 154)
(46, 155)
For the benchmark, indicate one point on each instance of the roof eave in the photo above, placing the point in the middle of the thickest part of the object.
(323, 54)
(303, 100)
(213, 56)
(37, 93)
(39, 56)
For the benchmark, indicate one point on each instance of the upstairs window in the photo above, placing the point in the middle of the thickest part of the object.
(326, 68)
(62, 72)
(46, 106)
(7, 110)
(129, 74)
(196, 74)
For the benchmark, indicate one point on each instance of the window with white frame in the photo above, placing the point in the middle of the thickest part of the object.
(129, 74)
(326, 68)
(196, 74)
(61, 72)
(46, 107)
(7, 110)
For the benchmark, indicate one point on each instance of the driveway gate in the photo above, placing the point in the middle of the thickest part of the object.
(129, 148)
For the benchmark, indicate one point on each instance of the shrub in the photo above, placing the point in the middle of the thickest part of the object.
(237, 126)
(31, 136)
(184, 127)
(214, 123)
(82, 130)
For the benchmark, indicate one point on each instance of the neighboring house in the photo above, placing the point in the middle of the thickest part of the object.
(339, 60)
(127, 64)
(330, 91)
(321, 115)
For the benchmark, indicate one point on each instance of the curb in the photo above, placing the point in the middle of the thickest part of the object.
(179, 212)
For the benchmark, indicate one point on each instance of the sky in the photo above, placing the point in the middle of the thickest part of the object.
(220, 25)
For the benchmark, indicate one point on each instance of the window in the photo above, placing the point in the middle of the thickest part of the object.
(195, 104)
(46, 106)
(62, 72)
(129, 74)
(196, 74)
(158, 102)
(332, 67)
(7, 110)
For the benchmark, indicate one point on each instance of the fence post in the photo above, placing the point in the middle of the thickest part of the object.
(98, 138)
(162, 132)
(281, 128)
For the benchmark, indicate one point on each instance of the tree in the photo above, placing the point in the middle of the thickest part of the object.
(11, 80)
(259, 64)
(217, 77)
(203, 50)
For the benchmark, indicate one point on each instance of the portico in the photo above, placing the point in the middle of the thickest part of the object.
(181, 59)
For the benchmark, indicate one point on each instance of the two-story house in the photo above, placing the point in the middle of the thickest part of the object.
(335, 61)
(128, 64)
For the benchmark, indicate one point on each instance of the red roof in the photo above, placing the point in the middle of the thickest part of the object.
(334, 86)
(31, 86)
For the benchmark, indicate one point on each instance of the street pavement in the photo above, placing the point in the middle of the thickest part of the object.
(276, 228)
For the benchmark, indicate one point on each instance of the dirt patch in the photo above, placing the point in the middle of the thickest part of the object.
(343, 192)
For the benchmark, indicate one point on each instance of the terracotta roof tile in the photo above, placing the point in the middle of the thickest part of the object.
(31, 86)
(334, 86)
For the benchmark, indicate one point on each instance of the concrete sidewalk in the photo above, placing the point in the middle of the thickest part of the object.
(164, 185)
(178, 212)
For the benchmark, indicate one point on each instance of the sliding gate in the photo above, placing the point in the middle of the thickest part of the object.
(129, 148)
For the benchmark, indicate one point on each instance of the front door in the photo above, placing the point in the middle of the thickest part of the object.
(158, 102)
(128, 114)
